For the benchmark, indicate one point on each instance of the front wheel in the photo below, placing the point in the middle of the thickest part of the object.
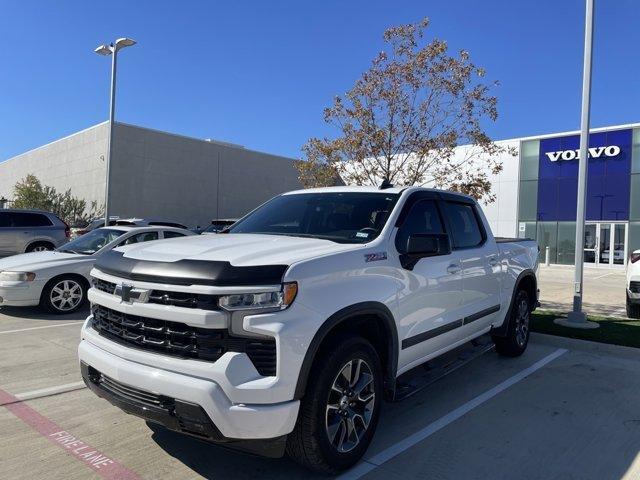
(515, 343)
(339, 412)
(63, 295)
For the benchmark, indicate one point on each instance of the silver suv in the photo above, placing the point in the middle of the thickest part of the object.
(30, 231)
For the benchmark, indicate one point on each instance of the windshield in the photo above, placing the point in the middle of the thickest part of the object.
(91, 242)
(340, 217)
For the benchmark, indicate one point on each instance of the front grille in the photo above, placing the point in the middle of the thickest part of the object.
(181, 340)
(177, 299)
(634, 287)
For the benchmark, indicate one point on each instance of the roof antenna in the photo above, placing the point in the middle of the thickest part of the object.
(385, 184)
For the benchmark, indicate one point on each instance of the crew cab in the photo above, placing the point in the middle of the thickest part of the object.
(287, 331)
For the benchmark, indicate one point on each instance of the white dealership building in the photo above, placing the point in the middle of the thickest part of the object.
(536, 194)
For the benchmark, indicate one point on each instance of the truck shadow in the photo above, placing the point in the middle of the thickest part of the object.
(212, 461)
(35, 313)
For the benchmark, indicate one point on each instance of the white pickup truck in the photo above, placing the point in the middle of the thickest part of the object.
(286, 332)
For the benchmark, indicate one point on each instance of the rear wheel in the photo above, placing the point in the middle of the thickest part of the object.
(339, 413)
(515, 342)
(64, 295)
(40, 247)
(633, 309)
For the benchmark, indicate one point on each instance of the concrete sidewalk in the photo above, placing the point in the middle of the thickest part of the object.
(604, 290)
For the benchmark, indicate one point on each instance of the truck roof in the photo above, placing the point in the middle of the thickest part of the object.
(372, 189)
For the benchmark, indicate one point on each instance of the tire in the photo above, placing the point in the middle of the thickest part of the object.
(633, 309)
(517, 338)
(319, 440)
(64, 295)
(39, 247)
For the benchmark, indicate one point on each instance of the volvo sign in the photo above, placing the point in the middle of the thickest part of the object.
(595, 152)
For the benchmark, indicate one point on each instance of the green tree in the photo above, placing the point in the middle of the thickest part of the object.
(404, 118)
(29, 193)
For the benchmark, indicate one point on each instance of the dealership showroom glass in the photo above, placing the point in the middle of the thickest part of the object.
(536, 195)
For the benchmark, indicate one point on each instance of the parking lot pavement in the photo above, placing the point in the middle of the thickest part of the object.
(549, 413)
(604, 290)
(38, 351)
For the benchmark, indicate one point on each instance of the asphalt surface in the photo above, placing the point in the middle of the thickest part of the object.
(604, 289)
(565, 409)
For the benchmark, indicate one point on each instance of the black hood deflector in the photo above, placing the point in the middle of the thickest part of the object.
(189, 272)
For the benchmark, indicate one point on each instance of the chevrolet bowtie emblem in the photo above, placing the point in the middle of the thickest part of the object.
(128, 294)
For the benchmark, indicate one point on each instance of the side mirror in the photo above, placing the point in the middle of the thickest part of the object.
(421, 245)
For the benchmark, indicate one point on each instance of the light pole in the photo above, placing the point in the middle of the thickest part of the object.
(577, 318)
(105, 50)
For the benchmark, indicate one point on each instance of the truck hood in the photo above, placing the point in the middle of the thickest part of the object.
(237, 249)
(32, 262)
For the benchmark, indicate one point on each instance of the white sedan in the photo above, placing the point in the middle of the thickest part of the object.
(58, 280)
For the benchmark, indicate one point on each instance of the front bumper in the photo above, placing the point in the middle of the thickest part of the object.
(20, 294)
(633, 289)
(233, 421)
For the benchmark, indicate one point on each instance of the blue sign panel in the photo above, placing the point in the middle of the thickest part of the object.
(608, 180)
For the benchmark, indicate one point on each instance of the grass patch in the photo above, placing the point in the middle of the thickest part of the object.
(617, 331)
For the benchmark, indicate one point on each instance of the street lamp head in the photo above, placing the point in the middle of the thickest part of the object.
(124, 42)
(103, 50)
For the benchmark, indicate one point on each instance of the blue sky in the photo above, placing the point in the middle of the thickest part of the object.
(259, 73)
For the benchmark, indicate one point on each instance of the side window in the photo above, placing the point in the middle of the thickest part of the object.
(5, 221)
(423, 217)
(141, 237)
(170, 234)
(465, 227)
(30, 220)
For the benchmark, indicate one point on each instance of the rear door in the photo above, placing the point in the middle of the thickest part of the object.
(430, 299)
(480, 261)
(29, 227)
(7, 240)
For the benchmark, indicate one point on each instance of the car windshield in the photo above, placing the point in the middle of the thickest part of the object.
(91, 242)
(340, 217)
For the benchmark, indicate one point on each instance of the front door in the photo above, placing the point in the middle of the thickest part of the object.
(430, 301)
(605, 244)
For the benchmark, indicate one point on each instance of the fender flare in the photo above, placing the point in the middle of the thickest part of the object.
(502, 330)
(378, 309)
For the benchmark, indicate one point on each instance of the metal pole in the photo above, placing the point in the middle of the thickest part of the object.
(112, 110)
(547, 256)
(577, 315)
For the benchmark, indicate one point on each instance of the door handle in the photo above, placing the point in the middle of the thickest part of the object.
(493, 262)
(453, 268)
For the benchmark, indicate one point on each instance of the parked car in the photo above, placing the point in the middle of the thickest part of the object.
(285, 333)
(92, 225)
(131, 222)
(219, 225)
(58, 281)
(30, 231)
(633, 285)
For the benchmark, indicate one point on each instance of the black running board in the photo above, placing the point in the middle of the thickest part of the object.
(420, 377)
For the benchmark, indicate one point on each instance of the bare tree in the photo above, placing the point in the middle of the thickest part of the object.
(404, 118)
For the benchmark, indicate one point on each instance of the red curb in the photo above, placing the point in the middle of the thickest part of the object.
(104, 466)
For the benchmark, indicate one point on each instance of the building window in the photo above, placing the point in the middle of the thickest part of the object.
(528, 201)
(529, 158)
(548, 237)
(566, 243)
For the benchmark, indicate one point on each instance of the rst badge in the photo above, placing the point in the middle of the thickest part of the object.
(375, 257)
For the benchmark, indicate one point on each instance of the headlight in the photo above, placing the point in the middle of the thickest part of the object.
(256, 301)
(18, 276)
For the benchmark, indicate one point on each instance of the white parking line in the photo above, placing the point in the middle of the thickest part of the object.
(40, 328)
(372, 463)
(605, 275)
(45, 392)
